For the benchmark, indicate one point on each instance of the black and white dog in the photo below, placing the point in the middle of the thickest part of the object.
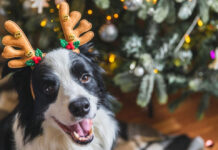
(69, 110)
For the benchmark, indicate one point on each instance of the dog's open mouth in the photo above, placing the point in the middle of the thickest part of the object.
(81, 132)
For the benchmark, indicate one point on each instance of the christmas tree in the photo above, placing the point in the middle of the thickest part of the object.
(160, 46)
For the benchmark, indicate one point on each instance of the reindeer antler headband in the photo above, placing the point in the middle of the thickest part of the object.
(27, 56)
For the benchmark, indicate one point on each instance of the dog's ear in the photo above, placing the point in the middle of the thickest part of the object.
(87, 50)
(6, 70)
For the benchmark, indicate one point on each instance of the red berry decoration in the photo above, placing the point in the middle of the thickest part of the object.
(209, 143)
(68, 47)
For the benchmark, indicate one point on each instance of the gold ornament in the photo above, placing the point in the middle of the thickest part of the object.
(29, 54)
(71, 37)
(65, 18)
(17, 35)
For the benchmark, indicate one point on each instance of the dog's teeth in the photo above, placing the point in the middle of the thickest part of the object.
(76, 135)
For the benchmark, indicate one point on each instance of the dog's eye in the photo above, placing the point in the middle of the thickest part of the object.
(50, 90)
(85, 78)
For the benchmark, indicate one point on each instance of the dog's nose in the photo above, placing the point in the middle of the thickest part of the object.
(80, 107)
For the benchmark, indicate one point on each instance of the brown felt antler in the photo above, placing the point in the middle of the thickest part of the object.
(18, 40)
(68, 22)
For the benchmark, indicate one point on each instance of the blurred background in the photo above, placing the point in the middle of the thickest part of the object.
(160, 57)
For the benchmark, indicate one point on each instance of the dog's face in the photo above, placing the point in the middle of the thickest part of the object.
(68, 90)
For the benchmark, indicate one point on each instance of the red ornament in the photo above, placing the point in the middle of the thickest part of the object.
(209, 143)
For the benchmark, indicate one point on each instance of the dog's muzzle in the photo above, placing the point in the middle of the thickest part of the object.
(81, 132)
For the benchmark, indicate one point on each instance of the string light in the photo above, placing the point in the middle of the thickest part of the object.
(112, 58)
(122, 1)
(108, 17)
(154, 1)
(156, 71)
(56, 29)
(125, 7)
(200, 23)
(43, 23)
(52, 20)
(58, 6)
(187, 38)
(116, 16)
(148, 1)
(90, 12)
(51, 10)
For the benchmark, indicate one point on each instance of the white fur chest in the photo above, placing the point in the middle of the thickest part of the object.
(53, 138)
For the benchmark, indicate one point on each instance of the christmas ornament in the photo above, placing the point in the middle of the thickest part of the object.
(133, 5)
(214, 64)
(108, 32)
(139, 71)
(209, 143)
(132, 65)
(40, 4)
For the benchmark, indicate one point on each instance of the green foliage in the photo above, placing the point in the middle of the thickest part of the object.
(161, 89)
(203, 106)
(103, 4)
(162, 11)
(145, 90)
(177, 102)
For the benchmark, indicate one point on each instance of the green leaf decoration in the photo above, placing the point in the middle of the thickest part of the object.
(161, 89)
(30, 63)
(203, 106)
(145, 90)
(204, 10)
(38, 53)
(162, 11)
(76, 44)
(63, 42)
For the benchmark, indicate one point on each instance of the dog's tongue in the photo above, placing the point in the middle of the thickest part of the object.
(83, 128)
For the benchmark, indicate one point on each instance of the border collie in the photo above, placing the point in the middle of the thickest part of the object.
(70, 109)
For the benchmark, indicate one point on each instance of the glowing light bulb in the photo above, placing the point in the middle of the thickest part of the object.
(154, 1)
(156, 71)
(51, 10)
(112, 58)
(116, 16)
(43, 23)
(187, 38)
(90, 12)
(108, 18)
(200, 23)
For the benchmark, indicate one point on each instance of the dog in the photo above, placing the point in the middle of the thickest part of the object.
(70, 109)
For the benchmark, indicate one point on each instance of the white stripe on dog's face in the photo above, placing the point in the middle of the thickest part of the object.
(61, 62)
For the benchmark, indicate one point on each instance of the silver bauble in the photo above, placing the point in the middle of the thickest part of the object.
(133, 5)
(139, 71)
(108, 32)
